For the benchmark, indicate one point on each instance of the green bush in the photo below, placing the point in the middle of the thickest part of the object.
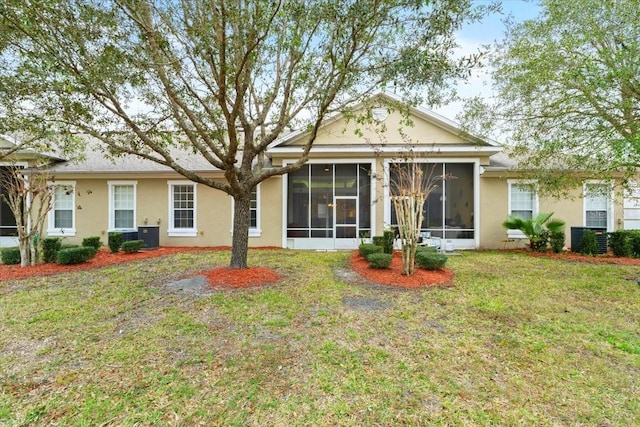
(75, 255)
(378, 241)
(620, 243)
(387, 246)
(430, 260)
(367, 249)
(589, 243)
(556, 239)
(379, 260)
(50, 248)
(634, 242)
(426, 249)
(93, 241)
(11, 256)
(131, 246)
(115, 242)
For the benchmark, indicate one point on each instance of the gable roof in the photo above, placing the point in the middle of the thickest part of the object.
(287, 142)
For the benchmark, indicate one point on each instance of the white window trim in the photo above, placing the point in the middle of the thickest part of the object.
(51, 229)
(517, 234)
(253, 231)
(111, 184)
(610, 205)
(183, 232)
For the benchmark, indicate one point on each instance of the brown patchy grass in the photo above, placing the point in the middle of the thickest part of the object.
(516, 341)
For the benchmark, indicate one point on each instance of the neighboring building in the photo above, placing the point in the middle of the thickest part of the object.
(337, 198)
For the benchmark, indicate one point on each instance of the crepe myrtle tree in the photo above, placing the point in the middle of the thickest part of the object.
(28, 193)
(221, 79)
(410, 183)
(567, 92)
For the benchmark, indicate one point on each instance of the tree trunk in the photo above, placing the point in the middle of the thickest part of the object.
(241, 222)
(24, 251)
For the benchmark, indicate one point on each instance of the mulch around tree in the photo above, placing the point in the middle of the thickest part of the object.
(393, 276)
(223, 277)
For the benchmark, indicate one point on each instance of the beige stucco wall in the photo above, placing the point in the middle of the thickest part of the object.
(494, 210)
(419, 131)
(213, 215)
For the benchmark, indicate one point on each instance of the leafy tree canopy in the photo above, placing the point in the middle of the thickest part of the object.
(567, 91)
(217, 78)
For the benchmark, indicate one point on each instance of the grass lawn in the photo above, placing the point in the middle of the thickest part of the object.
(517, 341)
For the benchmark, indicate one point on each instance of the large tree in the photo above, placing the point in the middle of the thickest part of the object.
(567, 91)
(221, 79)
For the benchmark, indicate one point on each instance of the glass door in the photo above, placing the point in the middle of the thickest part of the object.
(346, 222)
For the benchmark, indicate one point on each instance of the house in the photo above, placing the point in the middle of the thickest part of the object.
(339, 197)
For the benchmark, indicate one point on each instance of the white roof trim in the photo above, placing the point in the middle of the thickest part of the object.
(421, 112)
(386, 149)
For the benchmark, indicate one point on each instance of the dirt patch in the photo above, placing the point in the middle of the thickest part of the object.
(234, 278)
(393, 276)
(366, 303)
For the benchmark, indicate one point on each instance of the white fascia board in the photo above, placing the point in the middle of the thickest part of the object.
(386, 149)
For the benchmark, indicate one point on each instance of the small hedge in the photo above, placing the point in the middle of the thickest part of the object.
(556, 240)
(93, 241)
(367, 249)
(430, 260)
(430, 249)
(11, 256)
(378, 241)
(620, 243)
(115, 242)
(379, 260)
(589, 243)
(76, 255)
(387, 246)
(50, 248)
(131, 246)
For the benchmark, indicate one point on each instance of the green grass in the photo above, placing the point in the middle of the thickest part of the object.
(517, 341)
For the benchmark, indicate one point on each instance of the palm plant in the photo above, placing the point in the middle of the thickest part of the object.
(537, 229)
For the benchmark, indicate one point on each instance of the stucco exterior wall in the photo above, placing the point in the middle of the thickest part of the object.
(213, 211)
(494, 210)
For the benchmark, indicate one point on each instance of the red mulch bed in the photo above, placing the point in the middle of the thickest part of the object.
(218, 277)
(576, 257)
(103, 257)
(393, 276)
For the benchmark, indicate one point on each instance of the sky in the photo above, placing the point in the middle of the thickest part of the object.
(473, 36)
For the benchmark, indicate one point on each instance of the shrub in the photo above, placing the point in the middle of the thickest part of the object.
(589, 243)
(430, 260)
(634, 242)
(556, 239)
(132, 246)
(620, 243)
(93, 241)
(115, 241)
(387, 245)
(11, 256)
(367, 249)
(378, 241)
(75, 255)
(50, 248)
(379, 260)
(430, 249)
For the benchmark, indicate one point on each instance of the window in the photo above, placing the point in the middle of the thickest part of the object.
(254, 225)
(523, 199)
(122, 205)
(182, 209)
(597, 204)
(62, 214)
